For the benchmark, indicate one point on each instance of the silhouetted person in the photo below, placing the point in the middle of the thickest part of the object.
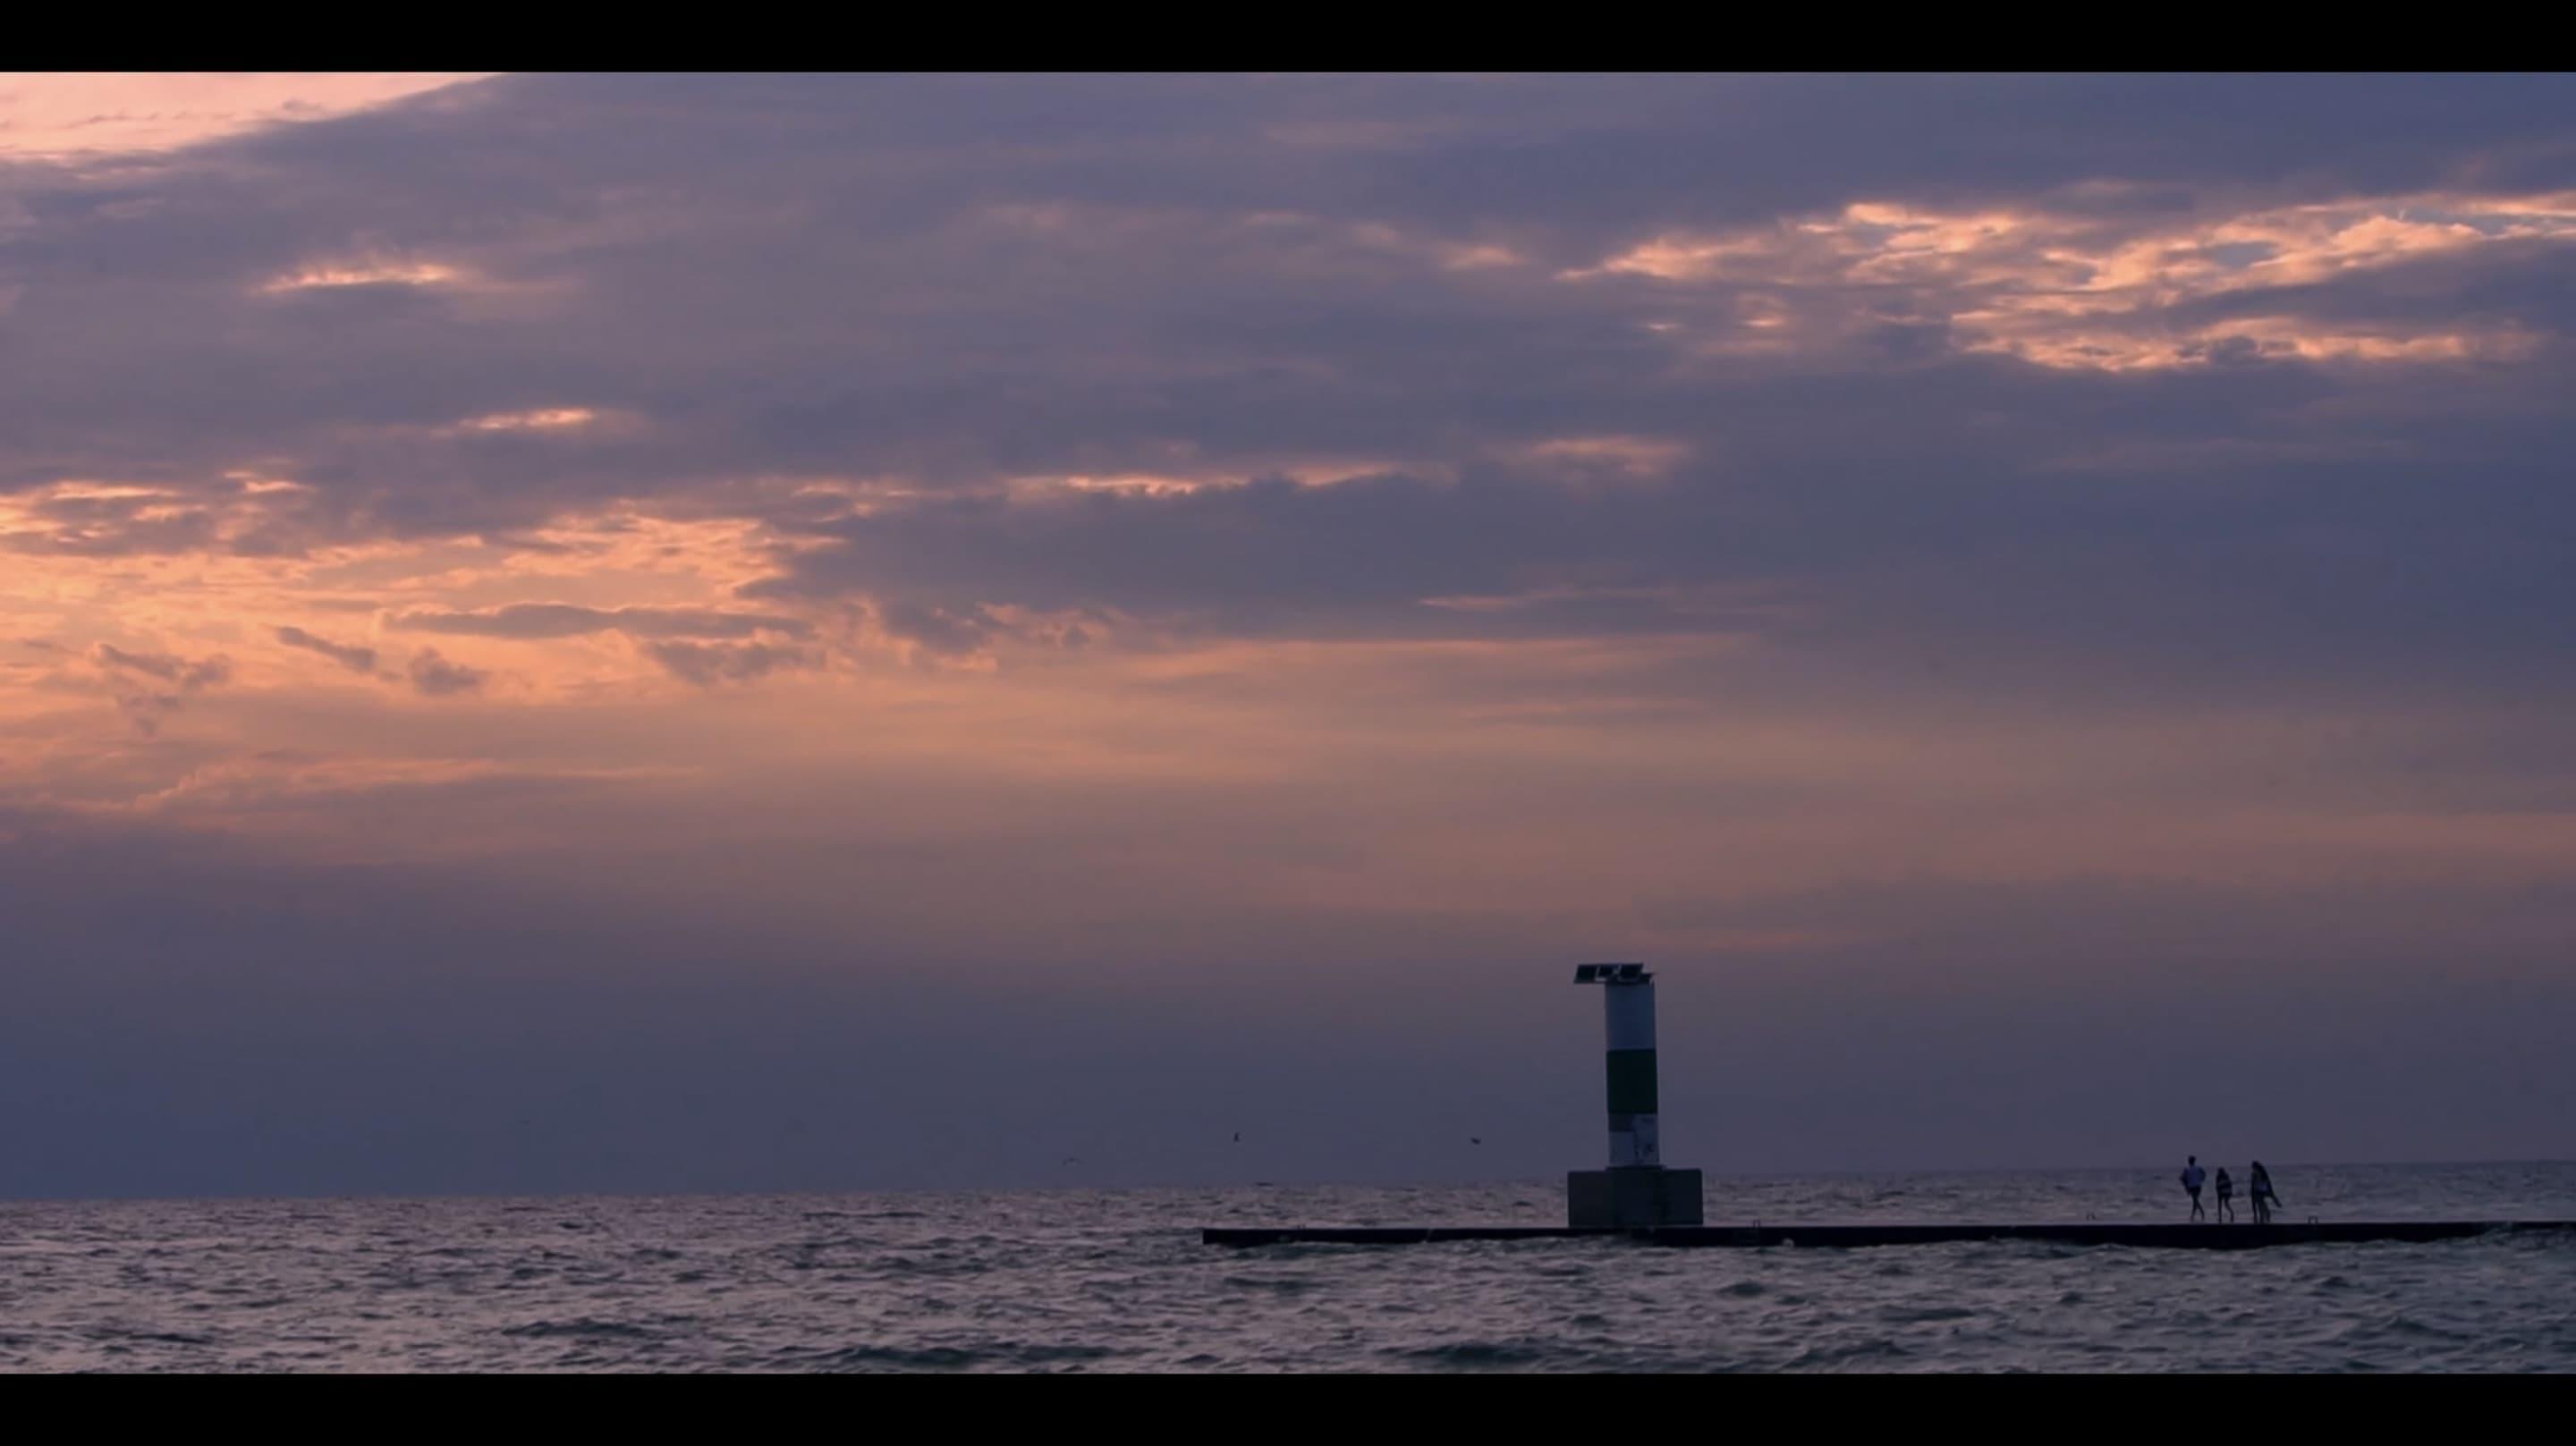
(2258, 1188)
(2226, 1194)
(2192, 1175)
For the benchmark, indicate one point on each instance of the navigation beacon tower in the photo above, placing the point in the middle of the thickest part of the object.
(1638, 1191)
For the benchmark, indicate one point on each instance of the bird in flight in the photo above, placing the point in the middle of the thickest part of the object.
(1473, 1140)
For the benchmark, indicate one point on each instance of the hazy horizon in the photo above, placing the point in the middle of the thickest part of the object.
(1718, 1180)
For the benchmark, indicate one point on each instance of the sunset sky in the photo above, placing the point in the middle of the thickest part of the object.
(702, 632)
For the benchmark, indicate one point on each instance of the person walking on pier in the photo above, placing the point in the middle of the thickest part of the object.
(2226, 1194)
(2192, 1175)
(2258, 1188)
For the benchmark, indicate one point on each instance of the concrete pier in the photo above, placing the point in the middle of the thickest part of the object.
(1860, 1237)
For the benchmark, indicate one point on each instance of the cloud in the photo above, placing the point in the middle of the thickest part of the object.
(144, 711)
(189, 676)
(244, 516)
(364, 273)
(2057, 282)
(1272, 305)
(939, 630)
(433, 676)
(564, 620)
(1822, 369)
(355, 658)
(144, 706)
(58, 116)
(1824, 376)
(707, 664)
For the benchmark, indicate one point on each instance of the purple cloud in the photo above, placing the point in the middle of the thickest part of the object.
(355, 658)
(433, 676)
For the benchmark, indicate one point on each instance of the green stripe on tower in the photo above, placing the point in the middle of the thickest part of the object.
(1632, 1082)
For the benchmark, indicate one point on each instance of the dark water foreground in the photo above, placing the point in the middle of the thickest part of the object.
(1120, 1281)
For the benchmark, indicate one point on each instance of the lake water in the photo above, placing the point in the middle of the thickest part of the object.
(1058, 1280)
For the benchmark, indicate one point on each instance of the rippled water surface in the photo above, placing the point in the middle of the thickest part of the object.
(1117, 1281)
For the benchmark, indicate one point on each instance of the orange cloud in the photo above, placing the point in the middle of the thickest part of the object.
(104, 113)
(2066, 289)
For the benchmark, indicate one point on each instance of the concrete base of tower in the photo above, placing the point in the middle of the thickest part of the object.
(1641, 1197)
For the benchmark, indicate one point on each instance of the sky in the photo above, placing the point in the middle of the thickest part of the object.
(636, 633)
